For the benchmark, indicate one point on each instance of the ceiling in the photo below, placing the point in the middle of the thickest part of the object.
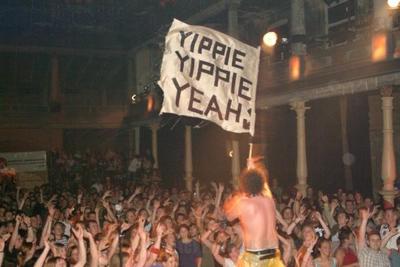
(118, 24)
(102, 24)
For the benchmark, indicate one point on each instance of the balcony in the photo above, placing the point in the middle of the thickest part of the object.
(327, 65)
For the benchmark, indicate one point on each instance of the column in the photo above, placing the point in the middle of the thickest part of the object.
(388, 171)
(131, 143)
(134, 141)
(129, 79)
(235, 162)
(297, 45)
(233, 28)
(297, 27)
(233, 31)
(104, 97)
(55, 80)
(154, 144)
(137, 140)
(345, 144)
(188, 158)
(301, 170)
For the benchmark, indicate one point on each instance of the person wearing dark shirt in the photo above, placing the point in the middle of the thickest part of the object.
(188, 249)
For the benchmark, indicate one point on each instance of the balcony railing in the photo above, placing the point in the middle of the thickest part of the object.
(323, 61)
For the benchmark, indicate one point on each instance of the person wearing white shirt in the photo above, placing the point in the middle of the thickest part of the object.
(391, 217)
(134, 166)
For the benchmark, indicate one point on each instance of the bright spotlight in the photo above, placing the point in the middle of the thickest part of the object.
(133, 99)
(379, 47)
(393, 3)
(270, 38)
(294, 67)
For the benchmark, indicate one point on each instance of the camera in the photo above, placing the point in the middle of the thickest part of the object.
(225, 248)
(223, 224)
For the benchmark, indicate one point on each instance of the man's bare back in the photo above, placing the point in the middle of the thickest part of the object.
(258, 223)
(254, 206)
(257, 220)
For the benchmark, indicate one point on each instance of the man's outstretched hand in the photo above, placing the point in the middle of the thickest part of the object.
(253, 162)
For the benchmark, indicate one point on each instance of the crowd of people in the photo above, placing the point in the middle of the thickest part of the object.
(101, 212)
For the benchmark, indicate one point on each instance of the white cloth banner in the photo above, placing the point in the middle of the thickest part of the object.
(209, 75)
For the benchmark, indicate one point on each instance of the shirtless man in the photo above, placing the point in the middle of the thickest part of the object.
(254, 206)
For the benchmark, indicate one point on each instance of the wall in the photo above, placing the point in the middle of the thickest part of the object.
(30, 139)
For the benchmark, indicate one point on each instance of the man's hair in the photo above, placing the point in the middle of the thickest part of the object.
(286, 208)
(341, 211)
(307, 225)
(61, 224)
(183, 226)
(345, 233)
(394, 211)
(321, 241)
(252, 180)
(374, 232)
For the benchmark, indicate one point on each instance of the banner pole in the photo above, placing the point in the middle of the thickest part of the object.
(250, 152)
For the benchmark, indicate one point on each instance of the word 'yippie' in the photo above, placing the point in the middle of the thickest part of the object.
(199, 44)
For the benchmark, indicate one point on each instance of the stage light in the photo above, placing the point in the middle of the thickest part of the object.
(393, 3)
(379, 47)
(150, 103)
(270, 39)
(295, 68)
(133, 99)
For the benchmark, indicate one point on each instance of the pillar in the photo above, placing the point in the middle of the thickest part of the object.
(137, 140)
(104, 98)
(301, 171)
(388, 171)
(235, 162)
(297, 27)
(55, 80)
(134, 141)
(345, 144)
(188, 158)
(154, 144)
(131, 143)
(233, 30)
(129, 79)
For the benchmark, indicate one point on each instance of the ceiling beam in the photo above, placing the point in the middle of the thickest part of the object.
(200, 16)
(104, 53)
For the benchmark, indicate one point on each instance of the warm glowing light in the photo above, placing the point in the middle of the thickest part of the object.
(379, 47)
(393, 3)
(150, 103)
(231, 153)
(294, 67)
(270, 39)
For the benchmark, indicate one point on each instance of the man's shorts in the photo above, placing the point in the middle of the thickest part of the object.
(260, 259)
